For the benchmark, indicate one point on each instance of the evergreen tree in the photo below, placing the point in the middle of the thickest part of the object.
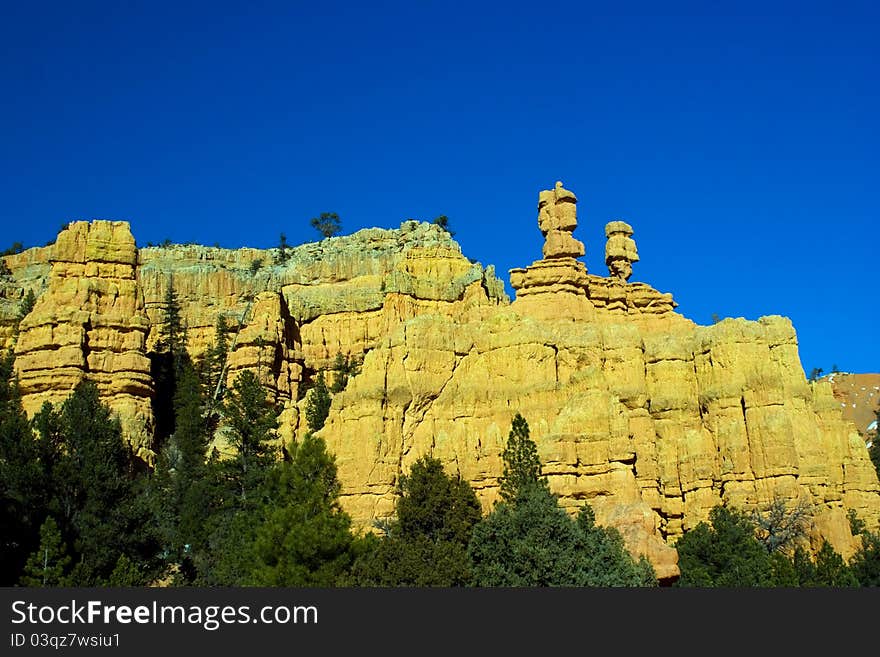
(534, 542)
(251, 420)
(48, 565)
(229, 553)
(426, 543)
(24, 479)
(724, 553)
(167, 361)
(344, 367)
(178, 487)
(522, 467)
(605, 559)
(27, 304)
(865, 563)
(233, 492)
(125, 573)
(443, 222)
(172, 332)
(305, 539)
(212, 367)
(283, 247)
(831, 570)
(529, 540)
(98, 508)
(318, 404)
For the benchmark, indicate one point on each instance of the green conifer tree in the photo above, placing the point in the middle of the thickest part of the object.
(172, 331)
(25, 484)
(305, 539)
(522, 467)
(426, 542)
(724, 553)
(318, 404)
(49, 563)
(534, 542)
(252, 421)
(98, 507)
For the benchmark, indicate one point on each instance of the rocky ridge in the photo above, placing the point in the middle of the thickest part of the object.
(647, 416)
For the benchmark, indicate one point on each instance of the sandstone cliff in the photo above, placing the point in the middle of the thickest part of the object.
(650, 418)
(635, 409)
(88, 322)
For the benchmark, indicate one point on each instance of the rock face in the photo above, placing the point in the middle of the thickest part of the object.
(649, 418)
(288, 316)
(343, 294)
(635, 409)
(90, 323)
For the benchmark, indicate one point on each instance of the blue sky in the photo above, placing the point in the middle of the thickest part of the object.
(740, 140)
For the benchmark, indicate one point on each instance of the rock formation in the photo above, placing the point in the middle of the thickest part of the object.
(620, 250)
(90, 323)
(557, 219)
(635, 409)
(583, 295)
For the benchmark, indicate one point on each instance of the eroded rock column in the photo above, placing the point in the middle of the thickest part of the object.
(91, 324)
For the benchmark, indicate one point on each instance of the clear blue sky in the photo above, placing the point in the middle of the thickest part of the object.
(740, 140)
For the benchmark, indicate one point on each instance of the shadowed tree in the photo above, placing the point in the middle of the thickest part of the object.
(25, 482)
(49, 564)
(305, 539)
(97, 504)
(234, 490)
(318, 404)
(252, 420)
(425, 544)
(724, 553)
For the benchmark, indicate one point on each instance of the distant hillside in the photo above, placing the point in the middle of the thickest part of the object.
(859, 396)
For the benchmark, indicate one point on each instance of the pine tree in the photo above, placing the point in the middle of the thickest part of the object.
(213, 365)
(522, 467)
(283, 253)
(443, 222)
(27, 304)
(426, 542)
(49, 563)
(190, 444)
(251, 420)
(232, 494)
(172, 332)
(724, 553)
(865, 563)
(25, 484)
(832, 570)
(534, 542)
(318, 404)
(340, 369)
(99, 510)
(306, 538)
